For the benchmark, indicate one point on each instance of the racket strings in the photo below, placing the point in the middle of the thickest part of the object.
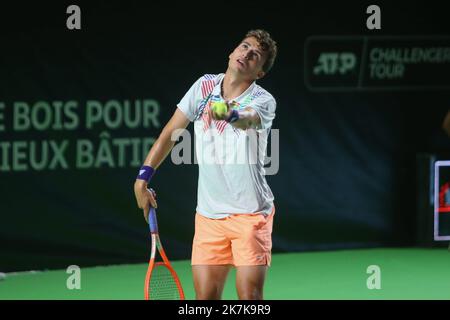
(163, 285)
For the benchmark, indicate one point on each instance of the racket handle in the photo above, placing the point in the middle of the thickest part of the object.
(152, 220)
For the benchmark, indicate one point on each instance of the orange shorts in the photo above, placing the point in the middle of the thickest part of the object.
(239, 239)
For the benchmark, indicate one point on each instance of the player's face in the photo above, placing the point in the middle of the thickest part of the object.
(248, 58)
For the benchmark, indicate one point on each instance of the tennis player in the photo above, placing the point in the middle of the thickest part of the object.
(235, 206)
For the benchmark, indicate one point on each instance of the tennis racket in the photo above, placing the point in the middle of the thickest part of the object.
(161, 281)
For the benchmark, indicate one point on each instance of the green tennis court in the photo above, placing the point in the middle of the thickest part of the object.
(406, 273)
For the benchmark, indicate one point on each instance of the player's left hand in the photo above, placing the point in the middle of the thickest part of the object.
(222, 116)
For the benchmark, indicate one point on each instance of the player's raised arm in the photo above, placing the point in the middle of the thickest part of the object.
(159, 151)
(241, 119)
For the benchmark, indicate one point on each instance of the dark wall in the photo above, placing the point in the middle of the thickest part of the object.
(347, 159)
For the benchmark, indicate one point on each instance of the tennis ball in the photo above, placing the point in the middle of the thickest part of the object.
(220, 108)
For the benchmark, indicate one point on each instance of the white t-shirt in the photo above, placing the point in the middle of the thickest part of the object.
(231, 161)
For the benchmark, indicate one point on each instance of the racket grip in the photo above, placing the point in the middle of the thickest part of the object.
(152, 220)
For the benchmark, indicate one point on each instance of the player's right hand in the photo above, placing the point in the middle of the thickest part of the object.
(145, 197)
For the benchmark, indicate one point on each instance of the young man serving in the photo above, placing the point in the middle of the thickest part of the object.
(235, 206)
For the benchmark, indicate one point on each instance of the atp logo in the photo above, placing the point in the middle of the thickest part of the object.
(331, 63)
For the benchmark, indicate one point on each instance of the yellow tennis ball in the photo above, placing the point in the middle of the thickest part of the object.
(220, 108)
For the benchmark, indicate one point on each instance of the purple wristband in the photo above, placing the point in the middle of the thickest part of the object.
(234, 116)
(145, 173)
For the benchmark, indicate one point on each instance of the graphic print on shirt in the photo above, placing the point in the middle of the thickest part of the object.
(207, 87)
